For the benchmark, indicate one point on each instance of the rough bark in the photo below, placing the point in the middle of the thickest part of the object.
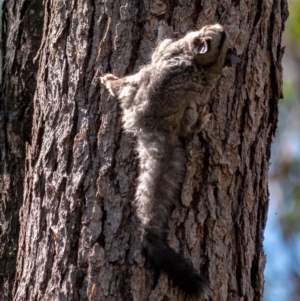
(79, 236)
(21, 33)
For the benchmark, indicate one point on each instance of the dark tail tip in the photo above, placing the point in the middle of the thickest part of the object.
(184, 275)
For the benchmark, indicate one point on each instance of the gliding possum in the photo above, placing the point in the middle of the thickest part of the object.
(161, 104)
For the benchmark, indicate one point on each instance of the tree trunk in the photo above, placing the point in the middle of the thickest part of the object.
(21, 32)
(75, 173)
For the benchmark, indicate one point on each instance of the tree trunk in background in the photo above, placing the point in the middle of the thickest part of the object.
(75, 174)
(21, 32)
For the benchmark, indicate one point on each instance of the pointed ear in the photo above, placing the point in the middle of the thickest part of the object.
(231, 59)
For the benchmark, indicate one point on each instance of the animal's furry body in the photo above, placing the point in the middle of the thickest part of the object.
(164, 101)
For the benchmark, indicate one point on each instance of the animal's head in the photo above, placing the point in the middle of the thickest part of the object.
(210, 48)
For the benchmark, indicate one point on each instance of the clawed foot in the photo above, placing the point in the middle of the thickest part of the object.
(110, 82)
(193, 121)
(203, 117)
(108, 77)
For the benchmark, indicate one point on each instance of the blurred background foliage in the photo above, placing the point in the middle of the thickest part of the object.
(282, 235)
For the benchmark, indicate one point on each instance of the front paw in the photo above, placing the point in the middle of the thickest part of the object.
(107, 77)
(109, 81)
(203, 117)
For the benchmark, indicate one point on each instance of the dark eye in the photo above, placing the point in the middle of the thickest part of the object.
(208, 42)
(202, 46)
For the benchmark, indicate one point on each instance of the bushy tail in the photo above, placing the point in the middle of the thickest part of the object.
(163, 257)
(162, 172)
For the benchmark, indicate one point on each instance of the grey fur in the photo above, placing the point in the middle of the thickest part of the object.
(164, 101)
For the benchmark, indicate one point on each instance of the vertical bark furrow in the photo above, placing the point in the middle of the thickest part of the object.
(20, 45)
